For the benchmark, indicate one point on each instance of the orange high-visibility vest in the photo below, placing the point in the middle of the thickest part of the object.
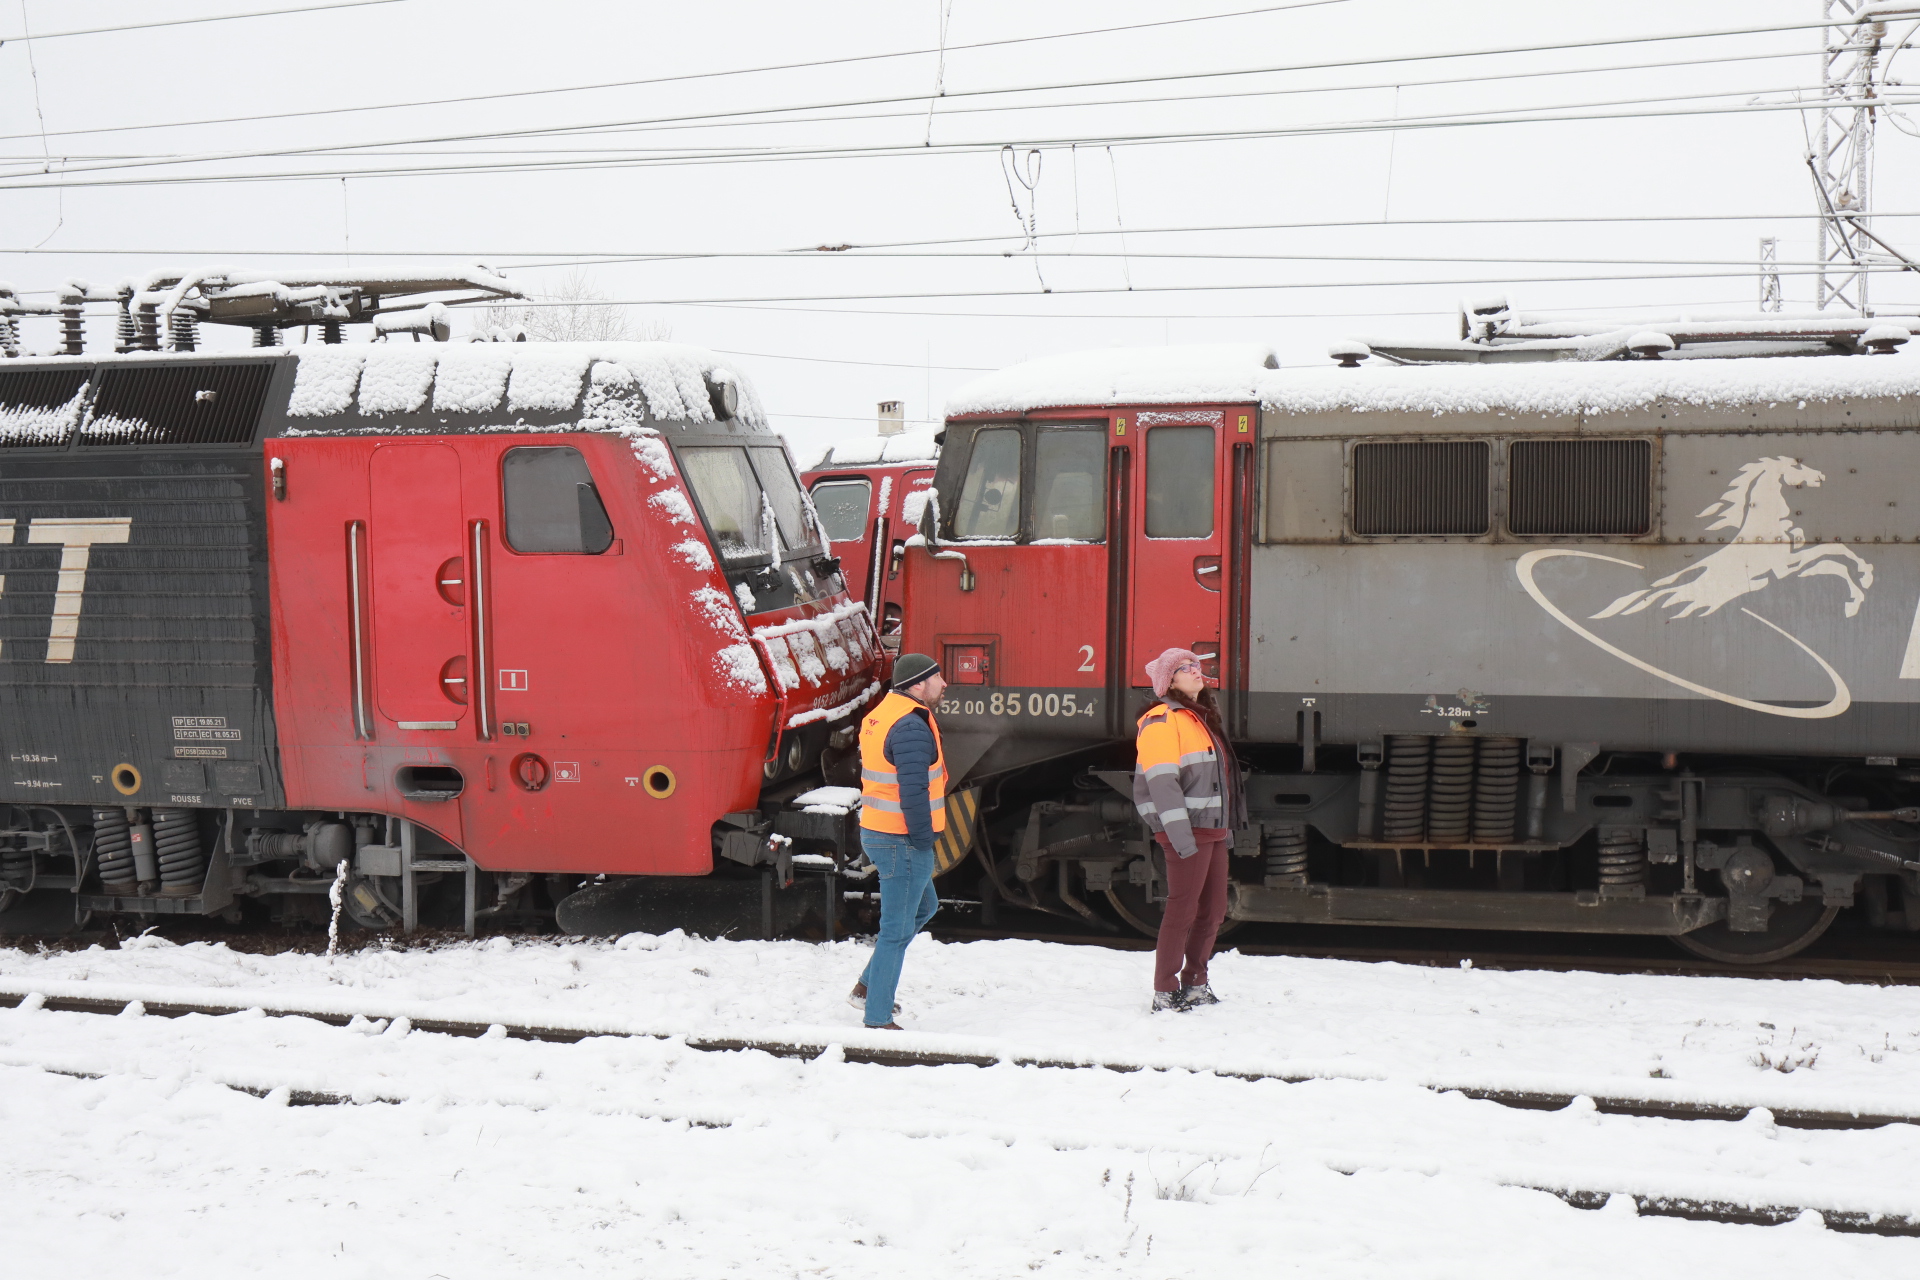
(880, 784)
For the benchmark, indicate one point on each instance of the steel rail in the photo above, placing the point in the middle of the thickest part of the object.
(907, 1056)
(1698, 1209)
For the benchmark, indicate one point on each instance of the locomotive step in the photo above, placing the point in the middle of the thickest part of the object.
(1464, 909)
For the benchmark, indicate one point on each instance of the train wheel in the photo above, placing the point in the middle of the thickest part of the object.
(1791, 929)
(1130, 903)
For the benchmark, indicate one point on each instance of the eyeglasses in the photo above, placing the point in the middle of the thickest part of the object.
(1185, 667)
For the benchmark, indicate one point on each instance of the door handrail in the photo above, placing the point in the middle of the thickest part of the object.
(482, 654)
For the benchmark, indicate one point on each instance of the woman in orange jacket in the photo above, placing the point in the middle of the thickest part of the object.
(1186, 784)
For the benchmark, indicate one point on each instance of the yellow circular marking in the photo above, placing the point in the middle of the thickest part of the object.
(1842, 696)
(126, 779)
(659, 781)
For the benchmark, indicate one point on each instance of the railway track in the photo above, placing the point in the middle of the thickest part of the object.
(1698, 1208)
(1900, 967)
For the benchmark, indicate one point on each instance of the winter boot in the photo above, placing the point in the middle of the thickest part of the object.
(1194, 997)
(1165, 1000)
(858, 999)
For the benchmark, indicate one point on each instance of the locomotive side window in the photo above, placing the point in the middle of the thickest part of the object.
(843, 506)
(1580, 486)
(1180, 482)
(1069, 485)
(730, 497)
(990, 495)
(782, 488)
(552, 506)
(1416, 487)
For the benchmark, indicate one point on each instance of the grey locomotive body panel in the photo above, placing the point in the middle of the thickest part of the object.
(1768, 607)
(135, 641)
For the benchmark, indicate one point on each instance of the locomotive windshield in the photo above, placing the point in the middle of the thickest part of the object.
(990, 496)
(751, 499)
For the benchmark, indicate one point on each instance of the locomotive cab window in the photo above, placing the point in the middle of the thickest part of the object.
(782, 488)
(1572, 487)
(1180, 482)
(1412, 488)
(843, 506)
(552, 505)
(1069, 484)
(989, 504)
(730, 498)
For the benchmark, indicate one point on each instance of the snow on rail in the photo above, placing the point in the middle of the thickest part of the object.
(1785, 1045)
(1241, 374)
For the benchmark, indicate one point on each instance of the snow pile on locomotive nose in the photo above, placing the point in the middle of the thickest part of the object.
(511, 378)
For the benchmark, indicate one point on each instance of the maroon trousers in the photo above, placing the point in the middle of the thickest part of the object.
(1196, 904)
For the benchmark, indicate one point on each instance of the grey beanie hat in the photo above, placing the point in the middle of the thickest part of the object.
(910, 669)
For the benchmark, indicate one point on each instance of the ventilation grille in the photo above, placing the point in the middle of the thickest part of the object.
(1580, 486)
(178, 404)
(38, 407)
(1420, 488)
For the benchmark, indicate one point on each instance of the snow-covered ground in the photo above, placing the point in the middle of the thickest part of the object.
(641, 1156)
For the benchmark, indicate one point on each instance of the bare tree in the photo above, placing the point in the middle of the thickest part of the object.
(573, 311)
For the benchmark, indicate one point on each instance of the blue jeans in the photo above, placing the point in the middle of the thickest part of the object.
(907, 902)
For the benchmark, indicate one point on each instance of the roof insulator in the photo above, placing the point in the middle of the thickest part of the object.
(1650, 344)
(1884, 339)
(1349, 354)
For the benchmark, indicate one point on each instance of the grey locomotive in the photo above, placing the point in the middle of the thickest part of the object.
(1579, 630)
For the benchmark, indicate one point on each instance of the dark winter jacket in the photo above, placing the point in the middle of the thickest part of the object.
(911, 751)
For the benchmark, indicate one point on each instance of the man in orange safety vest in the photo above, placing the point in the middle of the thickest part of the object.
(903, 799)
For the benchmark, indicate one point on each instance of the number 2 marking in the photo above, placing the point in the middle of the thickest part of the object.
(1086, 649)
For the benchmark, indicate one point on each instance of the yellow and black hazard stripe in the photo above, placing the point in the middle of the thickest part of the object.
(951, 847)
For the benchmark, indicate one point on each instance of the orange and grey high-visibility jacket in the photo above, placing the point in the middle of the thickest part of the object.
(1179, 780)
(881, 774)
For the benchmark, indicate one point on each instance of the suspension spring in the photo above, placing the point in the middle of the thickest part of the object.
(113, 850)
(1284, 846)
(1623, 862)
(16, 868)
(1450, 811)
(1409, 758)
(1496, 790)
(176, 843)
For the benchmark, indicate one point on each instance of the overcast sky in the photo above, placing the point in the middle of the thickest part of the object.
(667, 178)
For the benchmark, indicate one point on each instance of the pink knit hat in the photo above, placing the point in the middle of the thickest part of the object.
(1161, 669)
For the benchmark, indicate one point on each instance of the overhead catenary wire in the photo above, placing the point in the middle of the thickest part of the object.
(42, 37)
(1236, 287)
(855, 251)
(811, 64)
(691, 157)
(910, 101)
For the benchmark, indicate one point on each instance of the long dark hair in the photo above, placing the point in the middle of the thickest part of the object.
(1206, 706)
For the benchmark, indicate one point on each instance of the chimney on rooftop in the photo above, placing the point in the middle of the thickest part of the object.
(893, 417)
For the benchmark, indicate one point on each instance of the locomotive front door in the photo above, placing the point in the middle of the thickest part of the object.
(419, 627)
(1178, 540)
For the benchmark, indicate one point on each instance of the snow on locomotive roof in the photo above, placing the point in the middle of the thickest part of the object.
(881, 451)
(399, 378)
(1211, 374)
(1244, 374)
(1589, 387)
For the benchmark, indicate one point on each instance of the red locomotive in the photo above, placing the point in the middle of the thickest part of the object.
(870, 494)
(527, 613)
